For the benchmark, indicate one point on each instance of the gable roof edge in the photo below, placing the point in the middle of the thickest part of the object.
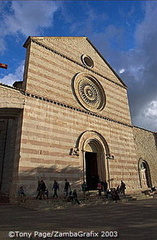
(106, 62)
(29, 39)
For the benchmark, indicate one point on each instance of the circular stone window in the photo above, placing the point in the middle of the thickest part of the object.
(89, 92)
(87, 61)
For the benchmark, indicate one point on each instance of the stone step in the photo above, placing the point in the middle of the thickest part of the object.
(46, 204)
(92, 199)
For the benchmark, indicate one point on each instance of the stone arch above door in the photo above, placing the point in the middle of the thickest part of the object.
(93, 145)
(90, 135)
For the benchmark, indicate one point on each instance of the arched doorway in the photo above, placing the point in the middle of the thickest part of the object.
(94, 149)
(144, 174)
(94, 163)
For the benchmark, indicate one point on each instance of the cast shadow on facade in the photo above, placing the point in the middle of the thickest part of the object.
(92, 155)
(31, 177)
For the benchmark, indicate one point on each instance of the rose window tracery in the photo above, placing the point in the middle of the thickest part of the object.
(89, 92)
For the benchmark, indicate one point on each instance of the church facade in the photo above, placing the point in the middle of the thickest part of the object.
(69, 119)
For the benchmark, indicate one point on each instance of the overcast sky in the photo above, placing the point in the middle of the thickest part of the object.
(124, 32)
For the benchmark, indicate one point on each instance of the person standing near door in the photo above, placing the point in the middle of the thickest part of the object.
(84, 188)
(105, 186)
(99, 188)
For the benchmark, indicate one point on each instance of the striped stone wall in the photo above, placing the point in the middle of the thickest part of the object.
(50, 131)
(50, 75)
(146, 149)
(45, 122)
(53, 119)
(10, 98)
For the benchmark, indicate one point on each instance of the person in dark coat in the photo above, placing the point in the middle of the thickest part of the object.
(75, 199)
(122, 187)
(38, 189)
(66, 188)
(84, 188)
(115, 195)
(105, 186)
(70, 197)
(41, 190)
(55, 188)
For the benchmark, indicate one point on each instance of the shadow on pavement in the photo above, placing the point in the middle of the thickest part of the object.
(132, 220)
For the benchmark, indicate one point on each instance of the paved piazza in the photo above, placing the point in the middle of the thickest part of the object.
(134, 220)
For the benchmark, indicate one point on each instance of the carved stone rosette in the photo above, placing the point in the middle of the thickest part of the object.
(89, 92)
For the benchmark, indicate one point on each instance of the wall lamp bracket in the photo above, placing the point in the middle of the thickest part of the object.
(109, 156)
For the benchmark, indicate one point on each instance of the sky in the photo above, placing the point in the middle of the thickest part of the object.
(124, 32)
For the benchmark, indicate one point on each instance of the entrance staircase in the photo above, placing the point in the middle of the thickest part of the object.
(90, 200)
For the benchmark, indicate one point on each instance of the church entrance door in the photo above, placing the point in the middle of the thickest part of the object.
(93, 158)
(92, 176)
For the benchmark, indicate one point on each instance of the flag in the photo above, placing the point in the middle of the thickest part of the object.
(2, 65)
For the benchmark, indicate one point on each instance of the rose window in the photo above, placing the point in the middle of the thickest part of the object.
(89, 92)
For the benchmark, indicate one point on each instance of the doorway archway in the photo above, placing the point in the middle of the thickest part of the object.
(94, 162)
(94, 149)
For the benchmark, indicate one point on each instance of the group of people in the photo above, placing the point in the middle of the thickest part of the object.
(42, 191)
(55, 188)
(112, 193)
(102, 187)
(70, 195)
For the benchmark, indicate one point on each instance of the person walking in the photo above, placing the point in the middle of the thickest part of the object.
(66, 188)
(42, 189)
(55, 188)
(38, 190)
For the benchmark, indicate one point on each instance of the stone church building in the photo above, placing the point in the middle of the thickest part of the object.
(69, 118)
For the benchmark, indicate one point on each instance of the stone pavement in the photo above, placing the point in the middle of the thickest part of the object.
(132, 220)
